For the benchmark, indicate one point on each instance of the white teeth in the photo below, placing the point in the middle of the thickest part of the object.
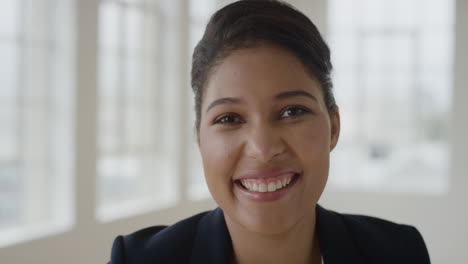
(264, 187)
(272, 187)
(278, 185)
(254, 187)
(245, 184)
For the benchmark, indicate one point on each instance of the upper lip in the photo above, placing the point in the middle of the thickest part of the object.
(266, 173)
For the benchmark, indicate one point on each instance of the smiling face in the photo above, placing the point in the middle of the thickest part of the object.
(265, 138)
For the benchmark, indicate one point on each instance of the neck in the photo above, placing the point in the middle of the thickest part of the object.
(297, 245)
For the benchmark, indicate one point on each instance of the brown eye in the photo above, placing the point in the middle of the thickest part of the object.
(228, 119)
(294, 111)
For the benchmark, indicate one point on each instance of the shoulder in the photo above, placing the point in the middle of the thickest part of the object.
(376, 237)
(139, 247)
(349, 238)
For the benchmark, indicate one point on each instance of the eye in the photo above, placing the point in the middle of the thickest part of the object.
(228, 119)
(294, 111)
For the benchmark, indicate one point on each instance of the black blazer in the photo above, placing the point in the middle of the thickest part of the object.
(204, 239)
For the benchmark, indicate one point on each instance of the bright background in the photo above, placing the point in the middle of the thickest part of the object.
(96, 120)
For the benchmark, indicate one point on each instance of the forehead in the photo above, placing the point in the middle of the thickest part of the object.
(259, 72)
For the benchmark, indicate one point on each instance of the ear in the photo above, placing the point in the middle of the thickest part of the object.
(334, 127)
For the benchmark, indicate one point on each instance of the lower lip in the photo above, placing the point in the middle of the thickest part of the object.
(267, 196)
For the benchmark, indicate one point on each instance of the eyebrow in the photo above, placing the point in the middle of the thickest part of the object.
(225, 100)
(280, 96)
(295, 93)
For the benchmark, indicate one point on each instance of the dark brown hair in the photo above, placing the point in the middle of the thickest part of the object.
(248, 23)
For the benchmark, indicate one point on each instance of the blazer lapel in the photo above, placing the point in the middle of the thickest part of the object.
(212, 241)
(336, 243)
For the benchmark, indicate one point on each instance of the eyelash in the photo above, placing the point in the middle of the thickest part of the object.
(303, 111)
(222, 119)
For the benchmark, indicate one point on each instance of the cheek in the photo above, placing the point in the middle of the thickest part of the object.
(311, 142)
(219, 158)
(311, 145)
(215, 148)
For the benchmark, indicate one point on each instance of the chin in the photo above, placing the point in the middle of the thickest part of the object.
(268, 224)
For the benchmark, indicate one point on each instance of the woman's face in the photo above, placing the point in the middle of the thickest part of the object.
(265, 138)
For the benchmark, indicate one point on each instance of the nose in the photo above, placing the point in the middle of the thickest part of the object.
(264, 143)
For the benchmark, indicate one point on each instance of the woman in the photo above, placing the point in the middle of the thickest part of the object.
(267, 121)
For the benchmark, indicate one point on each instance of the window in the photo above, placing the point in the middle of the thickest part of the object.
(136, 117)
(36, 110)
(393, 78)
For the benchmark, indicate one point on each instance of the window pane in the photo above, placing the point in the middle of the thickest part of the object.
(10, 183)
(36, 84)
(9, 14)
(133, 27)
(393, 85)
(134, 163)
(109, 26)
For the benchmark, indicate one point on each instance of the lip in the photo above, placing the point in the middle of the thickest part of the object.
(266, 196)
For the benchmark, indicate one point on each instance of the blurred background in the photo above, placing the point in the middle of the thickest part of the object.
(96, 120)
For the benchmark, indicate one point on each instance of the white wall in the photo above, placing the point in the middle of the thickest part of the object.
(441, 219)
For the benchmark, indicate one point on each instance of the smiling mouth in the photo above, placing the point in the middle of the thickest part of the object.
(267, 185)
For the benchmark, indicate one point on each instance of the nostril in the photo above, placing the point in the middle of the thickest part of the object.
(264, 147)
